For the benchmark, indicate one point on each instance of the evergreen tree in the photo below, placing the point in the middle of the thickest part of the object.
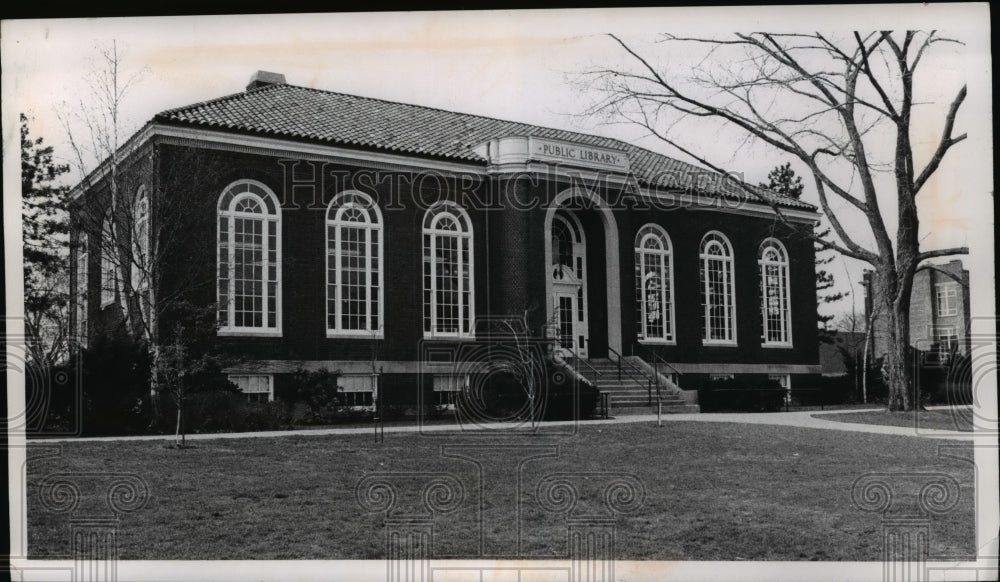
(783, 180)
(45, 230)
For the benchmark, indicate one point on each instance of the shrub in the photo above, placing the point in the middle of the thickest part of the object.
(115, 387)
(315, 396)
(741, 394)
(561, 393)
(825, 391)
(226, 411)
(52, 397)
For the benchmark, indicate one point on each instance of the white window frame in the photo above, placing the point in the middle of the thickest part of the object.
(664, 259)
(784, 293)
(109, 274)
(430, 233)
(374, 270)
(452, 384)
(237, 191)
(948, 333)
(236, 378)
(728, 265)
(946, 299)
(345, 381)
(82, 287)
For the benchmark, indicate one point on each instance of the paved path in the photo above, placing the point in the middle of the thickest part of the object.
(797, 419)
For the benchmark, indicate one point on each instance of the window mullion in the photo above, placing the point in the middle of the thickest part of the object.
(460, 247)
(434, 265)
(730, 324)
(265, 272)
(231, 284)
(368, 278)
(642, 294)
(338, 276)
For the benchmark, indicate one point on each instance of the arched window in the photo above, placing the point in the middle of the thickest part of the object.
(141, 267)
(654, 285)
(565, 235)
(353, 266)
(448, 275)
(718, 297)
(774, 293)
(109, 274)
(249, 278)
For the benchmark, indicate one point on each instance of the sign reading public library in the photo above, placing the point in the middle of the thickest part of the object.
(577, 155)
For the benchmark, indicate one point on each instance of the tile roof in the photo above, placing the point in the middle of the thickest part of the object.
(282, 110)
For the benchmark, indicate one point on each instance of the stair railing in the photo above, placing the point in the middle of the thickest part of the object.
(577, 361)
(631, 369)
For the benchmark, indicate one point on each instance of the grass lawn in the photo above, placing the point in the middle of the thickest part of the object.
(953, 419)
(712, 491)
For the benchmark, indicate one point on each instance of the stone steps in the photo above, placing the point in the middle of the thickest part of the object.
(630, 391)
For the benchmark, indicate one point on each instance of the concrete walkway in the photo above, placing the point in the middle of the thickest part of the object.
(797, 419)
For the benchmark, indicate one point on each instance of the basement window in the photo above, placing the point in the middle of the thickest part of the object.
(258, 388)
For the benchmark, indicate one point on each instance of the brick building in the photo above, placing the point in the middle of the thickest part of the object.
(939, 311)
(371, 237)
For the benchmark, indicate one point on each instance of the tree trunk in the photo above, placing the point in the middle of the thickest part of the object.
(898, 368)
(154, 379)
(178, 435)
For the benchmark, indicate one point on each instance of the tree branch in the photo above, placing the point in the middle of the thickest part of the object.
(942, 253)
(946, 142)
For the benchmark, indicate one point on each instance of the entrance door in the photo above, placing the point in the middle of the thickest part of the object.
(570, 324)
(569, 284)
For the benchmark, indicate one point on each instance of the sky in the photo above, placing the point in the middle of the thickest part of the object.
(518, 65)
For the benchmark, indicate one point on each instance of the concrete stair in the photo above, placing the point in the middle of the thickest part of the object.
(630, 394)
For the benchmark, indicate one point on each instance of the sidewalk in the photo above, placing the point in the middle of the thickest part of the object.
(796, 419)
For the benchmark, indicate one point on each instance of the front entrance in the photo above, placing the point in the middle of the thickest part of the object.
(569, 284)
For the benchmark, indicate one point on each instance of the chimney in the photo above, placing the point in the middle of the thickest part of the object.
(265, 78)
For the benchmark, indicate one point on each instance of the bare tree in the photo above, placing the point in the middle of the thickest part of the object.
(95, 132)
(829, 103)
(139, 213)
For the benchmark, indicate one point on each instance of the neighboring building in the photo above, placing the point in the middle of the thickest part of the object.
(381, 239)
(834, 355)
(939, 311)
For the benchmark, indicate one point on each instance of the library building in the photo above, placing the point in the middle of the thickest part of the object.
(413, 250)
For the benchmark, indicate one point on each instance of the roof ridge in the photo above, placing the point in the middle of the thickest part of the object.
(224, 98)
(232, 96)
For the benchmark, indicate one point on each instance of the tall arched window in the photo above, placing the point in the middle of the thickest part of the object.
(718, 297)
(448, 275)
(109, 273)
(353, 266)
(249, 278)
(654, 285)
(141, 267)
(774, 293)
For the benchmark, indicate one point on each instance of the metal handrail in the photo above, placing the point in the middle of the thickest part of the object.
(633, 366)
(658, 359)
(577, 359)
